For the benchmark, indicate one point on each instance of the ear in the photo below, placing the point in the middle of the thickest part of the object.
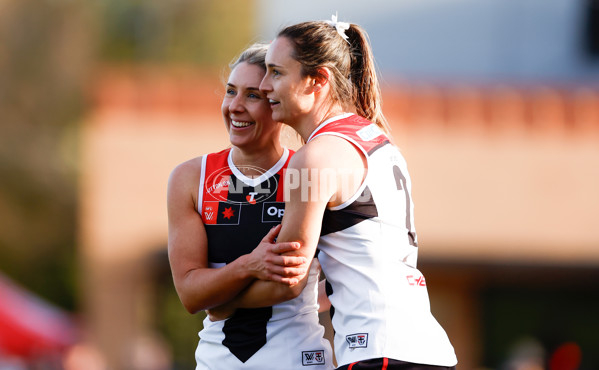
(321, 79)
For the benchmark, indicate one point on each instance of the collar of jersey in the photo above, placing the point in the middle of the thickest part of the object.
(332, 119)
(255, 181)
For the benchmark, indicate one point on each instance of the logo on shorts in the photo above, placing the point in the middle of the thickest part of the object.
(312, 358)
(359, 340)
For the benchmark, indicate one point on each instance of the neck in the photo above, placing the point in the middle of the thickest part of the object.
(311, 121)
(260, 158)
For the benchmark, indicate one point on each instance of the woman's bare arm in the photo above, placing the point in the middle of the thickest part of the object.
(308, 199)
(199, 286)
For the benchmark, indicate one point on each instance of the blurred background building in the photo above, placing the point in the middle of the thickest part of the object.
(495, 105)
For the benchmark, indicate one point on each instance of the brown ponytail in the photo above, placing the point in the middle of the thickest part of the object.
(317, 44)
(367, 95)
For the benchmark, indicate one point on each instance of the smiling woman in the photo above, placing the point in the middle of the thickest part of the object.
(245, 111)
(220, 206)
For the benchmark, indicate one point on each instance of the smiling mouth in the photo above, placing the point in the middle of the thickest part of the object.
(240, 124)
(273, 102)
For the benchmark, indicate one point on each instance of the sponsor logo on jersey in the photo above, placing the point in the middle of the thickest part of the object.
(221, 213)
(416, 280)
(369, 132)
(313, 358)
(221, 183)
(251, 197)
(272, 211)
(359, 340)
(220, 186)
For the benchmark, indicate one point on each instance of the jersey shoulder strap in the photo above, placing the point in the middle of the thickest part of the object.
(365, 135)
(214, 175)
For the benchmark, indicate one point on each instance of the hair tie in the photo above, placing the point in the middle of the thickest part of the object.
(340, 27)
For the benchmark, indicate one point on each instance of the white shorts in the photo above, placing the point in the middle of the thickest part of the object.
(292, 343)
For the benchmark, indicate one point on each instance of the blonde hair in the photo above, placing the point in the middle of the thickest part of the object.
(255, 54)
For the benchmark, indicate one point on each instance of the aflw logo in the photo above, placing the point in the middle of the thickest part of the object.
(312, 358)
(359, 340)
(220, 213)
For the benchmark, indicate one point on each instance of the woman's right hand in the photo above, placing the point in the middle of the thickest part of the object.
(267, 262)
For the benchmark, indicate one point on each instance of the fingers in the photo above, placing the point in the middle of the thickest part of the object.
(219, 313)
(280, 273)
(284, 247)
(287, 261)
(292, 261)
(215, 316)
(289, 281)
(271, 236)
(285, 280)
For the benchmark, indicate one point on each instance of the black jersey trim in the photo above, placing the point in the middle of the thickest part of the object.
(378, 146)
(363, 208)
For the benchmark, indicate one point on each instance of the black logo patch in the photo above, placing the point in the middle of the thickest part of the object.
(272, 211)
(221, 213)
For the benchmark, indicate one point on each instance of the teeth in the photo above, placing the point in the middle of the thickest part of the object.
(271, 101)
(240, 124)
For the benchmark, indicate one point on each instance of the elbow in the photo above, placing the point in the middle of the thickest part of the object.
(191, 306)
(192, 300)
(291, 292)
(192, 309)
(192, 303)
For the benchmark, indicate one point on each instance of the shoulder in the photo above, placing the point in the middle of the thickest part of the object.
(325, 151)
(187, 167)
(185, 175)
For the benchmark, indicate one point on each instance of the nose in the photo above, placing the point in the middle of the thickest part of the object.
(236, 104)
(265, 85)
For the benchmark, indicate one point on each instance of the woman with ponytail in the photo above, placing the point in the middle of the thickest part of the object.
(349, 198)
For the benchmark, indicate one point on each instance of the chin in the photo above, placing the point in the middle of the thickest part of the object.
(237, 141)
(278, 117)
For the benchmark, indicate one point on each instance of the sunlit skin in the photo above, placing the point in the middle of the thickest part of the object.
(295, 99)
(255, 144)
(248, 118)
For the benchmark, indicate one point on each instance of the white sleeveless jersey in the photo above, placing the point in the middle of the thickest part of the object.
(368, 252)
(238, 212)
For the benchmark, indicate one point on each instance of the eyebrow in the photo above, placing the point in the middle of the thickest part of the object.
(272, 65)
(247, 88)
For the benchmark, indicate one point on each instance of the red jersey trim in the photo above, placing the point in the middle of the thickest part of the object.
(356, 129)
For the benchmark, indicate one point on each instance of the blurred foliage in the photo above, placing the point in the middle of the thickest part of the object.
(50, 52)
(549, 315)
(202, 32)
(45, 56)
(178, 327)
